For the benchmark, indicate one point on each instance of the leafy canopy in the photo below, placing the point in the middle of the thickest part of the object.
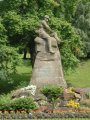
(21, 17)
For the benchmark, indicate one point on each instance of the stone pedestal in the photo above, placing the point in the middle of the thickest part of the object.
(47, 68)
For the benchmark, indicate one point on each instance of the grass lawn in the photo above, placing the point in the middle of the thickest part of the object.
(20, 79)
(81, 76)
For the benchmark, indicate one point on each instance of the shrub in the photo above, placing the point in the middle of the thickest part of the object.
(19, 104)
(88, 95)
(23, 104)
(4, 102)
(52, 93)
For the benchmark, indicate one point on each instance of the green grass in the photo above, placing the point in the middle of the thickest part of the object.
(81, 76)
(23, 74)
(20, 79)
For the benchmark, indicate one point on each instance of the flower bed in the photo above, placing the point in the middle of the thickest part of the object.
(42, 115)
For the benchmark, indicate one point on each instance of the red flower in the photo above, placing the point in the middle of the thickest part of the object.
(12, 111)
(18, 111)
(6, 111)
(0, 111)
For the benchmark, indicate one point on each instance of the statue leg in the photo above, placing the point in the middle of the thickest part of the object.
(50, 45)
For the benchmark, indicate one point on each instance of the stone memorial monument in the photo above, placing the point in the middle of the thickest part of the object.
(47, 67)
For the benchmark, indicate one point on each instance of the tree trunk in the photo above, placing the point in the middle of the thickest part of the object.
(25, 53)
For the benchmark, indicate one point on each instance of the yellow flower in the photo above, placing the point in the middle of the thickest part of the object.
(73, 104)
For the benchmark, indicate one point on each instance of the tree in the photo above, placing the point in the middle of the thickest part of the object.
(71, 44)
(8, 55)
(20, 19)
(66, 9)
(82, 23)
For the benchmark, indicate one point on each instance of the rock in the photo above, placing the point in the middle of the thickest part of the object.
(68, 95)
(77, 90)
(75, 93)
(20, 94)
(41, 100)
(43, 103)
(80, 92)
(24, 92)
(78, 96)
(40, 97)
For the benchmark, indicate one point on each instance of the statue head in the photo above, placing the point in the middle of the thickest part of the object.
(46, 17)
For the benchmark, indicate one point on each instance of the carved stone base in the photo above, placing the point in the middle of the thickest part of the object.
(48, 73)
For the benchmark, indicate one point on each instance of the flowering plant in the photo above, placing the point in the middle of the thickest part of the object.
(6, 111)
(0, 111)
(32, 89)
(12, 111)
(70, 90)
(73, 104)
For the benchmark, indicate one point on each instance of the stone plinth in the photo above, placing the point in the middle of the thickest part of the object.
(47, 68)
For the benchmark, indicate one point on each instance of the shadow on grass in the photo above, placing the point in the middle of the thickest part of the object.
(27, 62)
(17, 81)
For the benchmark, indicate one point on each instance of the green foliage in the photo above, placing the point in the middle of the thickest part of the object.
(4, 102)
(8, 61)
(13, 23)
(82, 23)
(88, 95)
(66, 9)
(17, 80)
(71, 44)
(23, 104)
(70, 8)
(3, 36)
(20, 19)
(52, 92)
(19, 104)
(8, 55)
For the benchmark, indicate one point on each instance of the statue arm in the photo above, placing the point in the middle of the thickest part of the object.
(57, 38)
(54, 34)
(46, 26)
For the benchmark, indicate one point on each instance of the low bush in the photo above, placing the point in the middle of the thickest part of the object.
(23, 104)
(5, 102)
(18, 104)
(88, 95)
(52, 93)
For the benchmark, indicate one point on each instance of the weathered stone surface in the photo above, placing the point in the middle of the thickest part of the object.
(77, 94)
(20, 94)
(47, 67)
(81, 92)
(68, 95)
(24, 92)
